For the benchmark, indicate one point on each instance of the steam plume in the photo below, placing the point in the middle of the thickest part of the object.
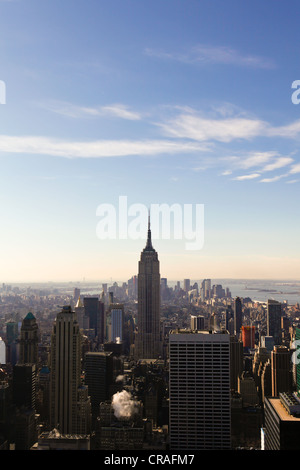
(123, 404)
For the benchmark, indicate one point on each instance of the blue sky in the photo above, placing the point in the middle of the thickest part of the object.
(175, 102)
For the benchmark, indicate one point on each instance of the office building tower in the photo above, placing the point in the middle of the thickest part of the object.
(94, 310)
(274, 320)
(281, 370)
(29, 340)
(236, 361)
(116, 312)
(282, 422)
(261, 355)
(197, 322)
(237, 315)
(99, 376)
(186, 285)
(12, 333)
(267, 342)
(206, 289)
(228, 316)
(164, 283)
(43, 394)
(148, 342)
(199, 390)
(248, 337)
(25, 429)
(76, 295)
(2, 352)
(248, 390)
(65, 379)
(24, 386)
(266, 380)
(82, 318)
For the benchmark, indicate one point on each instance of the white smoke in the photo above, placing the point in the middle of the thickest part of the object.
(120, 378)
(124, 405)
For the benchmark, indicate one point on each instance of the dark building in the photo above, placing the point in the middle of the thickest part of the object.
(236, 361)
(24, 386)
(281, 370)
(197, 322)
(29, 340)
(237, 315)
(274, 320)
(101, 371)
(282, 422)
(94, 310)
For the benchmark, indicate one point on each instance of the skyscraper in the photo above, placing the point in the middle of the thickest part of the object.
(282, 422)
(94, 309)
(99, 377)
(197, 322)
(199, 386)
(237, 315)
(24, 385)
(186, 285)
(2, 352)
(117, 322)
(274, 320)
(65, 382)
(281, 370)
(29, 340)
(148, 343)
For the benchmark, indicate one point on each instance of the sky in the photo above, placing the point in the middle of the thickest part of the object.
(185, 102)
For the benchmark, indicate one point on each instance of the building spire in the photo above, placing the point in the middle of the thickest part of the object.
(149, 246)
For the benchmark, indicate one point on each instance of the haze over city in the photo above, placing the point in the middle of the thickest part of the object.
(168, 102)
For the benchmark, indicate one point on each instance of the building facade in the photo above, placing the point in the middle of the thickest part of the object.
(148, 342)
(199, 410)
(65, 377)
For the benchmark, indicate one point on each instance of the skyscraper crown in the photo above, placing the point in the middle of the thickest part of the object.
(149, 246)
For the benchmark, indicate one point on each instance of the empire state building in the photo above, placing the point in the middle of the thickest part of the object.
(148, 342)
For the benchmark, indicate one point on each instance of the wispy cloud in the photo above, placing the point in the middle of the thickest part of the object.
(255, 159)
(263, 162)
(278, 163)
(225, 125)
(74, 111)
(273, 179)
(203, 54)
(295, 168)
(192, 126)
(93, 149)
(247, 177)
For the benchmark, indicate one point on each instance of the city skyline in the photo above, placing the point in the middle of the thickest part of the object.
(168, 104)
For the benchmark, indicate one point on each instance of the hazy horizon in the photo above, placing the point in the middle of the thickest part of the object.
(187, 104)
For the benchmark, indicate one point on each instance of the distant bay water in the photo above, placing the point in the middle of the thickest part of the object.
(262, 290)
